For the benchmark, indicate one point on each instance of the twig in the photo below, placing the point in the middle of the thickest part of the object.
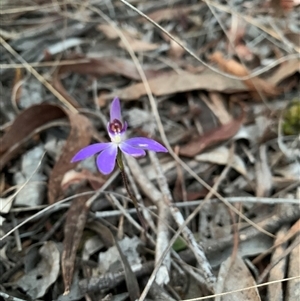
(89, 202)
(10, 298)
(45, 64)
(111, 280)
(161, 128)
(125, 213)
(132, 197)
(162, 238)
(190, 52)
(138, 196)
(271, 201)
(39, 77)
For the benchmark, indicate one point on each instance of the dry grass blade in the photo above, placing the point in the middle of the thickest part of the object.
(186, 74)
(253, 74)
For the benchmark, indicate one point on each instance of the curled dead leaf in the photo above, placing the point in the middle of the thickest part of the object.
(33, 118)
(235, 275)
(254, 84)
(212, 137)
(72, 177)
(23, 126)
(80, 136)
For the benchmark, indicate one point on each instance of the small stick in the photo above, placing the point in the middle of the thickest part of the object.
(133, 198)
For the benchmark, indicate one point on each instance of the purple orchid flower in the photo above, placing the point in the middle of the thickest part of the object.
(116, 129)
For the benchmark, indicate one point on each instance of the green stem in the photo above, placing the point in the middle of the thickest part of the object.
(133, 198)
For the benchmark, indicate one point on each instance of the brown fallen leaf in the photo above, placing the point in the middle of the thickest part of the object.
(80, 136)
(294, 38)
(139, 45)
(72, 177)
(254, 84)
(283, 5)
(107, 66)
(235, 275)
(285, 70)
(212, 137)
(73, 229)
(216, 103)
(136, 44)
(27, 121)
(292, 292)
(176, 52)
(173, 82)
(33, 118)
(171, 13)
(23, 126)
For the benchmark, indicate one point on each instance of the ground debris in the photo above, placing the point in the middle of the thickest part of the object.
(216, 83)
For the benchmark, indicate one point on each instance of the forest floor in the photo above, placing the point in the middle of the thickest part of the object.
(216, 83)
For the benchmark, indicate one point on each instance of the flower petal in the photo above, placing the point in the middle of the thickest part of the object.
(130, 150)
(106, 161)
(115, 110)
(90, 151)
(146, 143)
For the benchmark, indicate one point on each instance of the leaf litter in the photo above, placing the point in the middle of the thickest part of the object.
(234, 133)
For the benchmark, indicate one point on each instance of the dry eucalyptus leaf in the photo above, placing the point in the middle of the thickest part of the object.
(173, 82)
(221, 156)
(37, 281)
(25, 123)
(285, 70)
(31, 194)
(80, 136)
(107, 66)
(135, 43)
(234, 275)
(275, 291)
(211, 138)
(73, 229)
(109, 258)
(293, 286)
(171, 13)
(254, 84)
